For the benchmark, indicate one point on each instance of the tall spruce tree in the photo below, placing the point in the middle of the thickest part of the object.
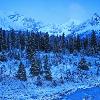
(56, 47)
(4, 41)
(42, 43)
(47, 71)
(13, 39)
(85, 43)
(63, 43)
(46, 42)
(37, 41)
(35, 67)
(22, 40)
(93, 40)
(78, 43)
(21, 74)
(30, 46)
(71, 44)
(1, 39)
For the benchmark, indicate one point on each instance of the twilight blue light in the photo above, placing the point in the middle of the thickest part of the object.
(53, 11)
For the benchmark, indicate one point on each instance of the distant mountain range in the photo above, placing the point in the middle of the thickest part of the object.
(20, 22)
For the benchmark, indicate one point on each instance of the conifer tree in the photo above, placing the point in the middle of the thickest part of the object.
(13, 39)
(35, 67)
(37, 41)
(78, 43)
(4, 42)
(21, 74)
(71, 44)
(56, 44)
(46, 40)
(42, 43)
(63, 43)
(47, 69)
(93, 40)
(30, 46)
(85, 43)
(8, 41)
(1, 39)
(22, 40)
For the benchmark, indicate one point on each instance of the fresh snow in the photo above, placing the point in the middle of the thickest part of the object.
(14, 89)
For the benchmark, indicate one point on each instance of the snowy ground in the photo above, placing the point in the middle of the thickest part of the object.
(14, 89)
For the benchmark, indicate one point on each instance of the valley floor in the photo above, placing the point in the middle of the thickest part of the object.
(12, 89)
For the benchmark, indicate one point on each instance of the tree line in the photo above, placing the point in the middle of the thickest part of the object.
(30, 41)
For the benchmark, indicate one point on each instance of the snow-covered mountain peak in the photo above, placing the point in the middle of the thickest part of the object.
(91, 24)
(96, 16)
(14, 17)
(95, 20)
(18, 22)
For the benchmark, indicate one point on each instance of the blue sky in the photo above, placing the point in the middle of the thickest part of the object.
(53, 11)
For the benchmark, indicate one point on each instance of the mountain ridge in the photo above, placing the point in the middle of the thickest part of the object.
(19, 22)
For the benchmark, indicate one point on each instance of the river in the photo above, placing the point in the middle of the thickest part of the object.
(84, 94)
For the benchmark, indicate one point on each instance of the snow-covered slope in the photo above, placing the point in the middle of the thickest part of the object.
(20, 22)
(91, 24)
(59, 29)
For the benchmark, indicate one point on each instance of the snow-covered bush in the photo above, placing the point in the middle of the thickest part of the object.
(17, 56)
(54, 83)
(75, 52)
(68, 76)
(61, 80)
(3, 57)
(83, 65)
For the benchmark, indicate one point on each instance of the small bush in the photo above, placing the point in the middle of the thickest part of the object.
(3, 58)
(83, 64)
